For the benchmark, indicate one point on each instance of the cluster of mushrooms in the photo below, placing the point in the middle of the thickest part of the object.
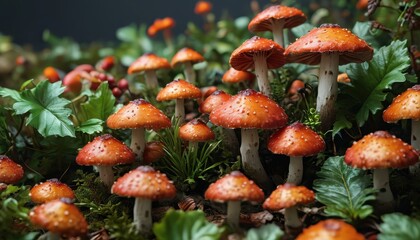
(327, 46)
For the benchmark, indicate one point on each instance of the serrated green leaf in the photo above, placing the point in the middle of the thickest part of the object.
(266, 232)
(91, 126)
(397, 226)
(101, 104)
(180, 225)
(371, 82)
(6, 92)
(344, 190)
(363, 31)
(340, 123)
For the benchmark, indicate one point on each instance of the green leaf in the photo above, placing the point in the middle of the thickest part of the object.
(91, 126)
(101, 104)
(397, 226)
(266, 232)
(180, 225)
(344, 190)
(371, 82)
(340, 123)
(363, 31)
(302, 29)
(6, 92)
(127, 33)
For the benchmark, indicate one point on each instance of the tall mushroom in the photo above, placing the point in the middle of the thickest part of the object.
(296, 141)
(149, 63)
(250, 110)
(260, 54)
(275, 19)
(329, 46)
(138, 115)
(187, 57)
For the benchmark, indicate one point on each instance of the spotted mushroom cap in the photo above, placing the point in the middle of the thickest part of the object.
(249, 109)
(296, 140)
(234, 76)
(404, 106)
(380, 150)
(329, 38)
(196, 131)
(234, 187)
(216, 99)
(59, 216)
(330, 229)
(10, 172)
(138, 113)
(186, 55)
(263, 21)
(288, 195)
(49, 190)
(243, 57)
(144, 182)
(105, 150)
(148, 61)
(178, 89)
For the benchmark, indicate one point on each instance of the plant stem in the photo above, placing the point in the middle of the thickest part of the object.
(295, 170)
(143, 215)
(261, 71)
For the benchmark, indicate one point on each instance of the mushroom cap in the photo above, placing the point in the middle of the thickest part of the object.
(138, 113)
(328, 38)
(178, 89)
(243, 57)
(59, 216)
(404, 106)
(196, 131)
(10, 172)
(249, 109)
(380, 150)
(148, 61)
(330, 229)
(186, 55)
(144, 182)
(49, 190)
(202, 7)
(105, 150)
(263, 21)
(288, 195)
(216, 99)
(234, 187)
(153, 151)
(234, 76)
(296, 140)
(295, 87)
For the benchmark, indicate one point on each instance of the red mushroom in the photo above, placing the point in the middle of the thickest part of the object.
(10, 172)
(149, 63)
(195, 131)
(49, 190)
(187, 57)
(330, 229)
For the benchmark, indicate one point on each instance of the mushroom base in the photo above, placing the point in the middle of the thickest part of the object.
(291, 218)
(143, 215)
(233, 211)
(384, 199)
(106, 175)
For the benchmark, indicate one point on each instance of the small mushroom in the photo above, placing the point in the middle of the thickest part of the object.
(149, 63)
(195, 131)
(187, 57)
(330, 229)
(49, 190)
(242, 77)
(10, 172)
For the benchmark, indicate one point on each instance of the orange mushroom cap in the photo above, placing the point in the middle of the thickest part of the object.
(196, 131)
(295, 87)
(404, 106)
(234, 76)
(161, 24)
(148, 61)
(288, 195)
(330, 229)
(51, 74)
(186, 55)
(263, 21)
(216, 99)
(10, 172)
(202, 7)
(153, 151)
(49, 190)
(178, 89)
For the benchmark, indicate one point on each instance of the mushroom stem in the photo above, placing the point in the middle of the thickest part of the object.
(415, 143)
(231, 141)
(189, 72)
(261, 71)
(295, 170)
(233, 211)
(142, 215)
(151, 79)
(291, 217)
(193, 145)
(250, 158)
(327, 89)
(180, 110)
(167, 35)
(277, 29)
(106, 175)
(138, 142)
(381, 183)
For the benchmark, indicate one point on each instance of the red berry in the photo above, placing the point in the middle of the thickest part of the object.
(107, 63)
(102, 77)
(123, 84)
(117, 92)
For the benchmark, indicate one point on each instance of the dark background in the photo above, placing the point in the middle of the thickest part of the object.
(97, 20)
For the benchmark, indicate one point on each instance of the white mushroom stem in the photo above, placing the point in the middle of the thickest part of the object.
(327, 88)
(231, 141)
(261, 71)
(151, 79)
(189, 72)
(233, 211)
(143, 215)
(193, 145)
(180, 110)
(381, 183)
(277, 29)
(250, 158)
(291, 218)
(106, 175)
(415, 143)
(295, 170)
(138, 142)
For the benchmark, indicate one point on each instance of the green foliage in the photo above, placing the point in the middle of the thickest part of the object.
(344, 190)
(397, 226)
(265, 232)
(91, 126)
(364, 31)
(100, 103)
(180, 225)
(48, 113)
